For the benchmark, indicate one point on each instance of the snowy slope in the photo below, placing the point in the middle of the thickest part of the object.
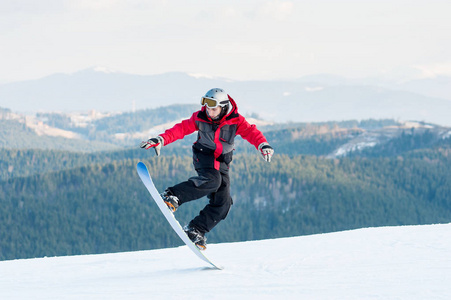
(409, 262)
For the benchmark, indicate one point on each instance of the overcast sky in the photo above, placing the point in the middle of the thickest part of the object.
(232, 38)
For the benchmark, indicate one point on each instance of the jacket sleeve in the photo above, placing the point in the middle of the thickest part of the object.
(250, 132)
(180, 130)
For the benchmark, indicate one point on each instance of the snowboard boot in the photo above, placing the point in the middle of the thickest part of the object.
(197, 237)
(171, 201)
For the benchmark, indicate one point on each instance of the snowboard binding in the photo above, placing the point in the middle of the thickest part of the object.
(197, 237)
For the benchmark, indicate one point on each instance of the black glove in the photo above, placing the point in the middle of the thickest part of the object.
(153, 143)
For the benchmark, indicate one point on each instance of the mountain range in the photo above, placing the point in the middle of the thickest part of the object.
(307, 99)
(91, 132)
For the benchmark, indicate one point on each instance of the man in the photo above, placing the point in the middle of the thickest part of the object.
(217, 124)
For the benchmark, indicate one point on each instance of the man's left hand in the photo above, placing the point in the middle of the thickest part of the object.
(266, 150)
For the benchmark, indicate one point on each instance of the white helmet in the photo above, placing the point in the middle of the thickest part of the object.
(214, 98)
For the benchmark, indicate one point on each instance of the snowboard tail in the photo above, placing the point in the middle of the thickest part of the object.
(147, 181)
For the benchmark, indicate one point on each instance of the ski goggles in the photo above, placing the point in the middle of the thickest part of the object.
(212, 103)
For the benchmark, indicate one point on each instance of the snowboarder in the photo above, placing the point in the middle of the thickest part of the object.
(217, 124)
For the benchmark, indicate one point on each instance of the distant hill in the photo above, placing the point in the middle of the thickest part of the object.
(309, 99)
(16, 135)
(92, 132)
(86, 132)
(434, 87)
(437, 87)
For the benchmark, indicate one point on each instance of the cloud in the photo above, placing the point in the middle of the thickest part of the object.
(278, 10)
(118, 5)
(436, 69)
(95, 4)
(8, 7)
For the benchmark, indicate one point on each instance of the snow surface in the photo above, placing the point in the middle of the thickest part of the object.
(408, 262)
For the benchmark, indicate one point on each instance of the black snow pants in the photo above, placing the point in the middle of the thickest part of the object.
(211, 183)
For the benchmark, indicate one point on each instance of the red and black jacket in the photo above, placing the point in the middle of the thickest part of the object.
(215, 140)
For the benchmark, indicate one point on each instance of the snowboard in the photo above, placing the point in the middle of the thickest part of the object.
(147, 180)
